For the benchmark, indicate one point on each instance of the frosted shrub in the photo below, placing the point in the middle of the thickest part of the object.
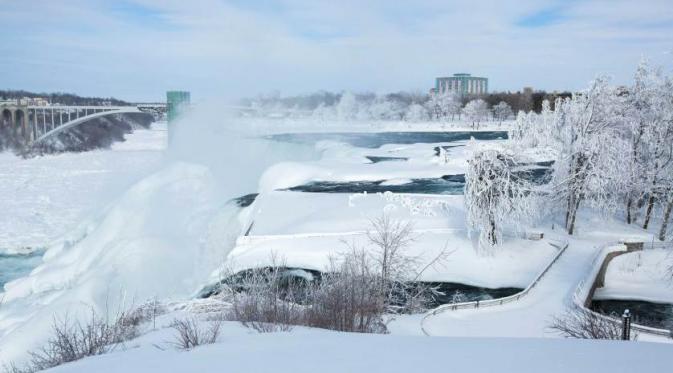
(74, 340)
(347, 298)
(190, 334)
(584, 324)
(265, 303)
(351, 298)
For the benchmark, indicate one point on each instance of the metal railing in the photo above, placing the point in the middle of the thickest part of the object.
(657, 245)
(560, 245)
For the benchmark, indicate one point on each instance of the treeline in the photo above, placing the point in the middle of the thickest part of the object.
(518, 101)
(62, 98)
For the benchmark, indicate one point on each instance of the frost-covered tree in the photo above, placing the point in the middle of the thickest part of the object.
(502, 111)
(475, 111)
(434, 107)
(493, 193)
(384, 109)
(611, 146)
(451, 105)
(324, 113)
(347, 107)
(638, 126)
(443, 105)
(667, 201)
(588, 160)
(658, 142)
(416, 113)
(523, 131)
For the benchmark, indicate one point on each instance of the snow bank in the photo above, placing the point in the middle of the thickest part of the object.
(313, 350)
(306, 229)
(641, 275)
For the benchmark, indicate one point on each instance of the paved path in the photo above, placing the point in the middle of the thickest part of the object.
(530, 316)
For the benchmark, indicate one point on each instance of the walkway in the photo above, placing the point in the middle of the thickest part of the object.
(530, 316)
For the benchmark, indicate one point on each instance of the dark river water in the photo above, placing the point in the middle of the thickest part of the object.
(376, 140)
(450, 292)
(449, 184)
(657, 315)
(294, 281)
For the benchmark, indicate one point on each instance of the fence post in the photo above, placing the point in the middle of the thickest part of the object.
(626, 325)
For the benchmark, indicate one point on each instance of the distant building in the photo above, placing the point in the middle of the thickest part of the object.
(462, 84)
(33, 101)
(177, 103)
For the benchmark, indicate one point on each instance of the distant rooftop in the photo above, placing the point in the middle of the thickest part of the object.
(462, 74)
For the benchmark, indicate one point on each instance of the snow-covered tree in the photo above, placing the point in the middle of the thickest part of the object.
(522, 133)
(384, 109)
(324, 113)
(451, 104)
(434, 107)
(347, 107)
(637, 127)
(381, 109)
(611, 146)
(443, 106)
(655, 113)
(502, 111)
(589, 156)
(416, 113)
(493, 193)
(475, 111)
(667, 201)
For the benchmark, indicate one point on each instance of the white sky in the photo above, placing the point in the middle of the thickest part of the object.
(138, 49)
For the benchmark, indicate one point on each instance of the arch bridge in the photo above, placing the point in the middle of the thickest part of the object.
(33, 124)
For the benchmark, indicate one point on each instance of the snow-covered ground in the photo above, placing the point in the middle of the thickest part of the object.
(642, 275)
(305, 350)
(306, 229)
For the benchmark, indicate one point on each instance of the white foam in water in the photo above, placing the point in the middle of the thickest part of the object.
(399, 181)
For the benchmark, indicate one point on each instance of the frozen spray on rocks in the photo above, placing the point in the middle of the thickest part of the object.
(161, 238)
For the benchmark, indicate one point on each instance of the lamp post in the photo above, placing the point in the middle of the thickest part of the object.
(626, 325)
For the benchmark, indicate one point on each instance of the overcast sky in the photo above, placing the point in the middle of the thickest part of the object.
(138, 49)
